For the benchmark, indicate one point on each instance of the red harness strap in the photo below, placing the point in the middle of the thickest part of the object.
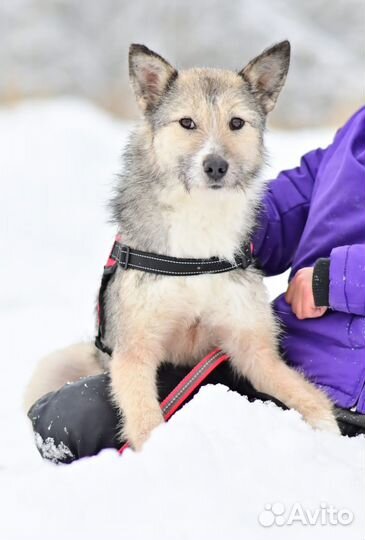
(188, 384)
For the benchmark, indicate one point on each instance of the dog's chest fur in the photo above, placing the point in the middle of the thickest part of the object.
(186, 312)
(204, 223)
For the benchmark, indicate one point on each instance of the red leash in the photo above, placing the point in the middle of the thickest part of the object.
(188, 384)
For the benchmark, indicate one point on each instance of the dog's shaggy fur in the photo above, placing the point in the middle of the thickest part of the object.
(166, 203)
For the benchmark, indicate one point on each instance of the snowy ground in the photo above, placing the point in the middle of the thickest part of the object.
(208, 473)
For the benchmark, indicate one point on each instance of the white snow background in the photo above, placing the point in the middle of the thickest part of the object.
(210, 471)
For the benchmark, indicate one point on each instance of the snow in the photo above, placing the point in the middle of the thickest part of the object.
(213, 469)
(50, 450)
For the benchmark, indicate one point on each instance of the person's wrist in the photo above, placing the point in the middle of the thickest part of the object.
(321, 282)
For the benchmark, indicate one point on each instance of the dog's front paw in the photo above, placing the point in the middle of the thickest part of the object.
(138, 432)
(325, 422)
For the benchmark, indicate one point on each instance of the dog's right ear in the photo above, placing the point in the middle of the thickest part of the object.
(150, 76)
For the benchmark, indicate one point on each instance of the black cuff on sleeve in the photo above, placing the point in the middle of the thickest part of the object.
(321, 282)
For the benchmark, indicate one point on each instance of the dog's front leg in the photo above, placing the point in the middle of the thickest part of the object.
(254, 354)
(133, 378)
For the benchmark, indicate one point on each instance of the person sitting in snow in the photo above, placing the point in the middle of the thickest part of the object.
(312, 221)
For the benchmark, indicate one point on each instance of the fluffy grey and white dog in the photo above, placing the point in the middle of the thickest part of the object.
(190, 188)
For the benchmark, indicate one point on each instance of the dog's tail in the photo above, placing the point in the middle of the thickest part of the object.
(58, 368)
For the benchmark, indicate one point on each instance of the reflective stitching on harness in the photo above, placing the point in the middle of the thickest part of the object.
(121, 250)
(191, 381)
(185, 273)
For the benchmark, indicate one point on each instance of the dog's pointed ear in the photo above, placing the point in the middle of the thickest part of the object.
(266, 74)
(150, 76)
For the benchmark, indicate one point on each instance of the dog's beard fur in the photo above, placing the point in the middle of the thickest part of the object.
(174, 212)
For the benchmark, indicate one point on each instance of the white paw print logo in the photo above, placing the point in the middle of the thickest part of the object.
(273, 513)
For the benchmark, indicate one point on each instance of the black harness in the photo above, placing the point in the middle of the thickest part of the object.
(128, 258)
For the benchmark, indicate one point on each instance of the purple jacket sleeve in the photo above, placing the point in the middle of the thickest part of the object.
(347, 279)
(284, 213)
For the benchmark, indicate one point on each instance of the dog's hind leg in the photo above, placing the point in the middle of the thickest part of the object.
(133, 380)
(254, 354)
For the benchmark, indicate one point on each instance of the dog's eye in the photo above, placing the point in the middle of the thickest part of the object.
(236, 123)
(187, 123)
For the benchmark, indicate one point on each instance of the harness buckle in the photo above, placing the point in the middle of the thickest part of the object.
(127, 253)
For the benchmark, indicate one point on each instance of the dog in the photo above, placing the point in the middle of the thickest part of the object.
(190, 187)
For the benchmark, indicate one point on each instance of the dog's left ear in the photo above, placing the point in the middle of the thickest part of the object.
(150, 76)
(266, 74)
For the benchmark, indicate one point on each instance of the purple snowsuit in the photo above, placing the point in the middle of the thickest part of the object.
(318, 210)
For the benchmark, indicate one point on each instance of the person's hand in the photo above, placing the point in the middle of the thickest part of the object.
(300, 295)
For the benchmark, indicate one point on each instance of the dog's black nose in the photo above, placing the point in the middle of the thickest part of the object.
(215, 166)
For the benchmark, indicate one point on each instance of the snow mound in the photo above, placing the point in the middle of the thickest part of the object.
(208, 473)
